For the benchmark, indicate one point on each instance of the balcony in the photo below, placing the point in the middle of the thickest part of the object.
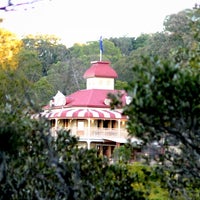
(97, 133)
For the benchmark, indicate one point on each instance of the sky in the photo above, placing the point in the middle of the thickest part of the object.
(81, 21)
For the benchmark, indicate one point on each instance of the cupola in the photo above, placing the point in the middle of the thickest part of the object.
(100, 76)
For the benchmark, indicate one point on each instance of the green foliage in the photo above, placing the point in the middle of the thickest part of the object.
(122, 154)
(141, 41)
(119, 183)
(111, 52)
(165, 102)
(149, 182)
(129, 44)
(166, 90)
(48, 168)
(13, 83)
(48, 49)
(30, 65)
(125, 44)
(67, 76)
(123, 68)
(189, 56)
(35, 165)
(85, 52)
(165, 108)
(177, 23)
(59, 77)
(15, 103)
(43, 91)
(90, 51)
(119, 85)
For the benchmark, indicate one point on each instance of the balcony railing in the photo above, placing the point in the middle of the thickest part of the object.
(107, 132)
(98, 133)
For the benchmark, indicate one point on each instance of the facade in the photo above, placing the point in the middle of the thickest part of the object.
(87, 113)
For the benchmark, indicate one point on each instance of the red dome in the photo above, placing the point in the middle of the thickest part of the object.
(100, 69)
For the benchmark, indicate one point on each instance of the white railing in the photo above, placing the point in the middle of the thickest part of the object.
(100, 133)
(97, 132)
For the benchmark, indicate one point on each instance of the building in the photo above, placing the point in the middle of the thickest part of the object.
(87, 113)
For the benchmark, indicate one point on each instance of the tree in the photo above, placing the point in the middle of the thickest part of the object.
(177, 33)
(129, 44)
(43, 91)
(48, 48)
(10, 46)
(160, 44)
(125, 44)
(90, 51)
(56, 169)
(165, 105)
(189, 56)
(178, 23)
(30, 65)
(67, 76)
(165, 109)
(141, 41)
(119, 85)
(122, 154)
(111, 52)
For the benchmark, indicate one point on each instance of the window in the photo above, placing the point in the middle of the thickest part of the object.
(105, 123)
(52, 122)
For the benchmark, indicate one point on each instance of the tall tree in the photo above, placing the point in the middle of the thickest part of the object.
(48, 48)
(165, 104)
(90, 51)
(10, 46)
(67, 76)
(43, 91)
(125, 44)
(30, 65)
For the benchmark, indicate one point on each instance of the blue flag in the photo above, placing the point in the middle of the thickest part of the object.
(101, 44)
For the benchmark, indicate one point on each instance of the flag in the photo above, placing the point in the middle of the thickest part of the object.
(101, 44)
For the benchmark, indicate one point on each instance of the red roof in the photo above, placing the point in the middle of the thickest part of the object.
(89, 98)
(96, 98)
(100, 69)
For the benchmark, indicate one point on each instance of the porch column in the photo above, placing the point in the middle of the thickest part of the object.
(56, 124)
(117, 144)
(89, 128)
(119, 127)
(88, 144)
(108, 153)
(101, 150)
(54, 133)
(88, 134)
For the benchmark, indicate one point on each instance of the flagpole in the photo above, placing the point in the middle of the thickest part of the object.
(100, 55)
(101, 47)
